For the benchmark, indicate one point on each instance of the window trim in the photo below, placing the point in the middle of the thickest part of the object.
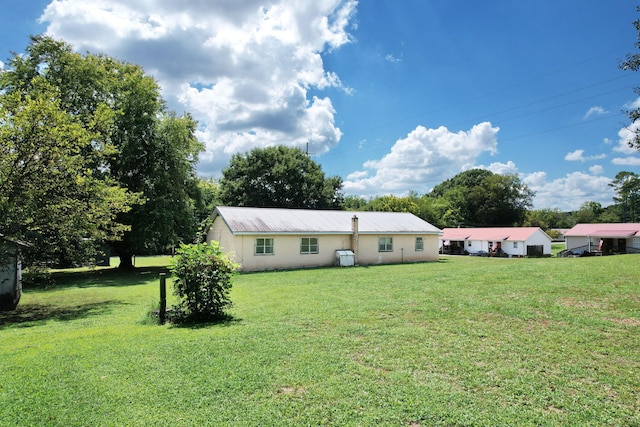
(388, 245)
(264, 246)
(309, 246)
(419, 247)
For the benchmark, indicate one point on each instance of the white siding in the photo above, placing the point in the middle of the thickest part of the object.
(539, 238)
(578, 241)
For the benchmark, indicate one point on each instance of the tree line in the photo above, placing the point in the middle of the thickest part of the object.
(90, 158)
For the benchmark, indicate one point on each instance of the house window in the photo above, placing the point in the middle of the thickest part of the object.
(469, 243)
(385, 244)
(264, 246)
(309, 245)
(419, 244)
(515, 245)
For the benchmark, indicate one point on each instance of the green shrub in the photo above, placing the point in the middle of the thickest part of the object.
(202, 280)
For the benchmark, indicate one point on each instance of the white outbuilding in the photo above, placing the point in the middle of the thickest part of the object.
(496, 241)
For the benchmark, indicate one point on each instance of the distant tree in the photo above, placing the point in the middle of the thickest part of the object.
(632, 62)
(391, 203)
(142, 148)
(547, 219)
(627, 195)
(207, 198)
(438, 211)
(468, 179)
(279, 176)
(354, 203)
(589, 213)
(482, 198)
(610, 214)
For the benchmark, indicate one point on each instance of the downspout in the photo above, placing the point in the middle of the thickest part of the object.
(355, 244)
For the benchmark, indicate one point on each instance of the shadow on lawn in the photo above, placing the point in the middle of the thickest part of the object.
(98, 278)
(28, 315)
(199, 322)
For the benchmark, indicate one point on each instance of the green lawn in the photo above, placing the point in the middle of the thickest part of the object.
(467, 341)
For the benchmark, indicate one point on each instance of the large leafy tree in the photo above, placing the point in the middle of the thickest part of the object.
(49, 194)
(632, 63)
(627, 197)
(482, 198)
(144, 149)
(162, 168)
(278, 177)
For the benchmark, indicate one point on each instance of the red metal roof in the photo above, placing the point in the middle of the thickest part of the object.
(610, 230)
(495, 234)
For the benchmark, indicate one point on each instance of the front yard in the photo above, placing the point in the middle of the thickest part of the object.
(465, 341)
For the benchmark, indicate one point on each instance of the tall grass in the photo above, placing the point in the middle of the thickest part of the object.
(465, 341)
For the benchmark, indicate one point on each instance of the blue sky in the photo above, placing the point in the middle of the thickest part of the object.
(393, 96)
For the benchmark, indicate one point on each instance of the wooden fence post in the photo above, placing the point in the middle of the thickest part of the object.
(163, 298)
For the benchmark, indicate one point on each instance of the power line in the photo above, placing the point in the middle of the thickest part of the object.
(386, 144)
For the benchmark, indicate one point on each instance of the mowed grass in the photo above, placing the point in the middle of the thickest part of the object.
(466, 341)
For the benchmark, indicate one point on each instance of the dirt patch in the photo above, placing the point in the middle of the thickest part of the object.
(626, 322)
(291, 391)
(576, 303)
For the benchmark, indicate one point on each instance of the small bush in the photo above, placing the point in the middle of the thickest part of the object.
(202, 280)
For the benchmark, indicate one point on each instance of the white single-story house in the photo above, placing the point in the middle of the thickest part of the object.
(502, 241)
(604, 238)
(274, 238)
(10, 272)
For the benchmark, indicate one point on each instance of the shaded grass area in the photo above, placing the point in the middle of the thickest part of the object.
(466, 341)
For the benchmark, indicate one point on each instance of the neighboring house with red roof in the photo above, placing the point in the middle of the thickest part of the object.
(604, 238)
(273, 238)
(504, 241)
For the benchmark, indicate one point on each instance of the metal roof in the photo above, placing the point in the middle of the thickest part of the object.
(611, 230)
(519, 234)
(243, 220)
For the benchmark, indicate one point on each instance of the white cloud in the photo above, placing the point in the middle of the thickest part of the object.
(595, 111)
(596, 170)
(243, 69)
(626, 161)
(626, 135)
(633, 105)
(575, 156)
(508, 168)
(392, 58)
(569, 192)
(424, 158)
(578, 156)
(354, 176)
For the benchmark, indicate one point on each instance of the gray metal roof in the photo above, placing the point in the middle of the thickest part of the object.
(241, 220)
